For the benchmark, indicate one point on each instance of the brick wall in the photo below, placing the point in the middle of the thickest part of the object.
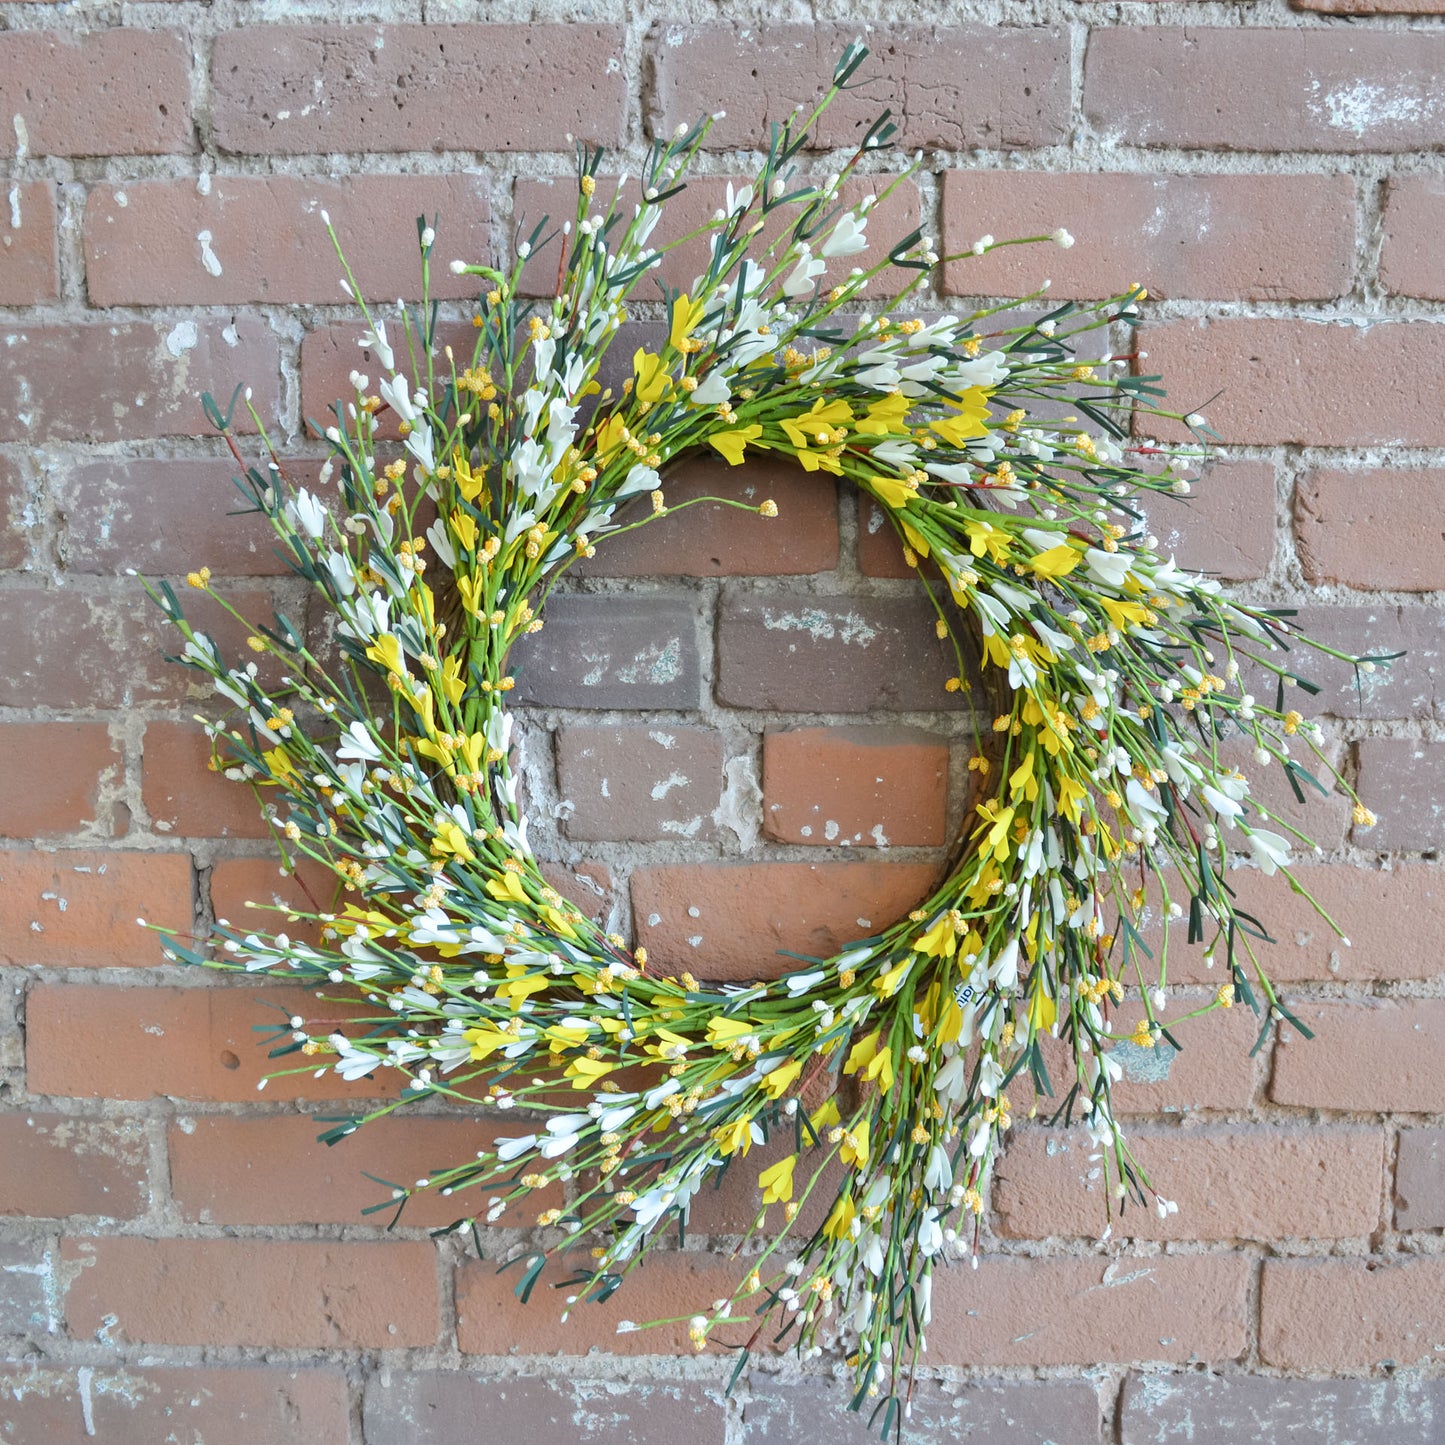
(734, 730)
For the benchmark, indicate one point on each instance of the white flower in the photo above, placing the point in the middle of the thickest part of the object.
(846, 238)
(1005, 970)
(1062, 239)
(354, 1063)
(1109, 568)
(359, 744)
(711, 391)
(800, 279)
(939, 1174)
(509, 1149)
(1269, 850)
(641, 478)
(307, 513)
(930, 1233)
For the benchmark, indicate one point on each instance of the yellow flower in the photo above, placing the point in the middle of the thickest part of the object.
(984, 537)
(723, 1032)
(775, 1083)
(940, 940)
(733, 443)
(840, 1220)
(777, 1181)
(854, 1149)
(685, 316)
(1056, 562)
(1043, 1011)
(1070, 798)
(825, 1115)
(735, 1138)
(890, 491)
(507, 885)
(653, 381)
(585, 1073)
(999, 819)
(1022, 781)
(969, 419)
(885, 418)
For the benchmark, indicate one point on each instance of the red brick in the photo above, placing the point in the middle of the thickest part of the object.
(1225, 527)
(721, 541)
(1344, 1066)
(110, 508)
(1420, 1179)
(116, 92)
(1224, 237)
(106, 646)
(417, 87)
(1209, 1409)
(39, 799)
(893, 216)
(1017, 95)
(874, 786)
(618, 651)
(670, 1283)
(238, 1405)
(1212, 1068)
(833, 654)
(182, 794)
(265, 1293)
(261, 238)
(1291, 381)
(16, 517)
(1367, 903)
(440, 1407)
(880, 548)
(239, 883)
(1255, 88)
(1230, 1181)
(77, 909)
(586, 885)
(1334, 1314)
(1323, 818)
(1400, 780)
(746, 912)
(56, 1165)
(274, 1171)
(729, 1203)
(1410, 262)
(27, 1274)
(1348, 526)
(142, 378)
(29, 268)
(206, 1043)
(1090, 1311)
(639, 783)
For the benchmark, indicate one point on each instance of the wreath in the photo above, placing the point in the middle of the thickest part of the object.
(1108, 678)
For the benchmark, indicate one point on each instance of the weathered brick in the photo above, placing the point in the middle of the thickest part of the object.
(874, 786)
(587, 885)
(159, 516)
(141, 378)
(266, 1293)
(1225, 527)
(670, 1283)
(440, 1407)
(1400, 779)
(720, 541)
(1211, 1069)
(1296, 381)
(1225, 237)
(1410, 262)
(833, 654)
(1017, 95)
(115, 92)
(1341, 1314)
(1210, 1409)
(639, 783)
(1340, 1068)
(1230, 1181)
(1064, 1311)
(239, 1405)
(635, 651)
(1031, 1412)
(78, 909)
(1321, 817)
(684, 255)
(239, 883)
(27, 1287)
(417, 87)
(1420, 1179)
(182, 794)
(29, 266)
(16, 518)
(1372, 7)
(274, 1171)
(729, 920)
(880, 548)
(56, 1165)
(208, 1043)
(106, 646)
(1348, 528)
(1367, 903)
(1254, 88)
(261, 238)
(40, 800)
(730, 1202)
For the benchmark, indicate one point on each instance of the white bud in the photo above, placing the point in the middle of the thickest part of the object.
(1062, 239)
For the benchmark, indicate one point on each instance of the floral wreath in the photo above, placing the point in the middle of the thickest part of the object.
(1116, 677)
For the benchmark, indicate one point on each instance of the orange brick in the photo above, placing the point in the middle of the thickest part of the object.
(57, 1165)
(264, 1293)
(184, 796)
(256, 893)
(29, 270)
(39, 799)
(1347, 526)
(1319, 1315)
(1230, 1182)
(1090, 1311)
(77, 909)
